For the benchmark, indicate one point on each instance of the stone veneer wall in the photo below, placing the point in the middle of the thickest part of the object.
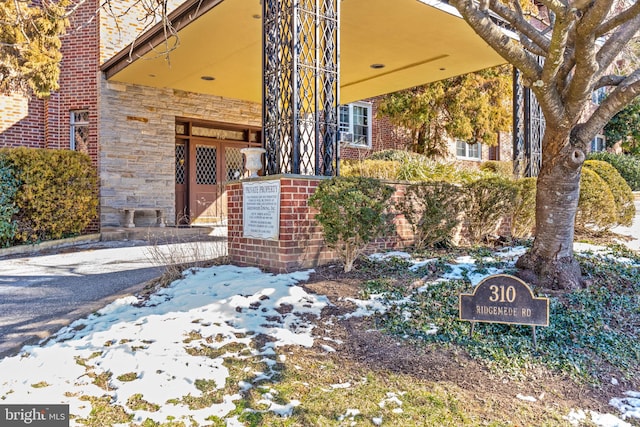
(137, 143)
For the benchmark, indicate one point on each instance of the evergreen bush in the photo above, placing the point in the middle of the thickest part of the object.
(401, 156)
(485, 202)
(381, 169)
(57, 196)
(596, 206)
(431, 208)
(622, 194)
(628, 166)
(502, 168)
(8, 188)
(523, 217)
(353, 211)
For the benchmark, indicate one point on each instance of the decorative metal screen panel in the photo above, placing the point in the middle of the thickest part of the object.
(205, 165)
(234, 163)
(528, 129)
(180, 163)
(300, 87)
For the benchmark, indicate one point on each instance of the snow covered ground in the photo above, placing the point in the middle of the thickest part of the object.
(142, 347)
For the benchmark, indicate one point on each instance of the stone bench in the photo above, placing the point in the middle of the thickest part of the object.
(130, 212)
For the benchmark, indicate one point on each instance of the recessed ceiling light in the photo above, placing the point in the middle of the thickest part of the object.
(442, 69)
(208, 78)
(256, 16)
(377, 66)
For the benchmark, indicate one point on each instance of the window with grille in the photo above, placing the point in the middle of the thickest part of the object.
(355, 124)
(598, 143)
(468, 151)
(79, 130)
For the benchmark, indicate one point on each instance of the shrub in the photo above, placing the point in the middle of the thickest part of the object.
(431, 208)
(58, 193)
(381, 169)
(596, 206)
(401, 156)
(353, 211)
(523, 217)
(622, 194)
(627, 166)
(485, 202)
(429, 170)
(8, 188)
(502, 168)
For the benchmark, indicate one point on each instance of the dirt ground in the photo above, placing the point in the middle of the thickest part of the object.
(365, 348)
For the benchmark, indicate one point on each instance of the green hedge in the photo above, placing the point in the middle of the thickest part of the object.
(8, 189)
(627, 166)
(381, 169)
(485, 202)
(432, 210)
(502, 168)
(523, 217)
(622, 194)
(596, 206)
(57, 196)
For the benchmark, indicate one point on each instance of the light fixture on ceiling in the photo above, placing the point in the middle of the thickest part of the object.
(257, 16)
(208, 78)
(152, 75)
(442, 68)
(377, 66)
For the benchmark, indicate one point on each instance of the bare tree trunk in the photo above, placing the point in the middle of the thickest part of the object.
(551, 258)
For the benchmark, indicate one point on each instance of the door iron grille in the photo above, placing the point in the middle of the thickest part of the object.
(205, 165)
(180, 163)
(234, 163)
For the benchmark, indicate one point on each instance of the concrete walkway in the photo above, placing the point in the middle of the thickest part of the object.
(43, 291)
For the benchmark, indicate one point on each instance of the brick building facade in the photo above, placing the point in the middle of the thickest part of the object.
(129, 130)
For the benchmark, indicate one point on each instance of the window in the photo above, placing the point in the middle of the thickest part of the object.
(598, 143)
(598, 95)
(355, 124)
(79, 130)
(468, 151)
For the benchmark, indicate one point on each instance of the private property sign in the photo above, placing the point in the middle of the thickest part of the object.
(261, 209)
(504, 299)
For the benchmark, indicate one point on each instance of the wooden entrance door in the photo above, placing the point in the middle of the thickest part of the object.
(205, 183)
(207, 156)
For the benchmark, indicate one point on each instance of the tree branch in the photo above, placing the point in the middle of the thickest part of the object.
(506, 47)
(625, 93)
(518, 20)
(596, 12)
(616, 42)
(618, 19)
(608, 80)
(557, 47)
(560, 7)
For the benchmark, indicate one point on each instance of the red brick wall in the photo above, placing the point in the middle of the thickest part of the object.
(45, 122)
(300, 243)
(22, 122)
(384, 136)
(78, 80)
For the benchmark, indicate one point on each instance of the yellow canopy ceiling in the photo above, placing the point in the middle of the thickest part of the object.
(417, 43)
